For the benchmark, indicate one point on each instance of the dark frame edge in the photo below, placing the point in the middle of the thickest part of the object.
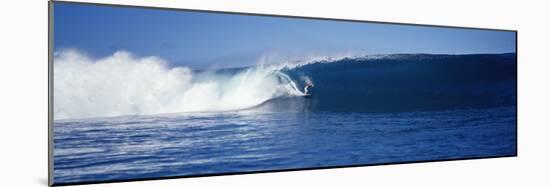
(279, 15)
(517, 93)
(50, 92)
(280, 170)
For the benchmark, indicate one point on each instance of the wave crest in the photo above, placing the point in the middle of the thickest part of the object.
(122, 84)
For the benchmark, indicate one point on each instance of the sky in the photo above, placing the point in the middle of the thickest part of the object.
(201, 39)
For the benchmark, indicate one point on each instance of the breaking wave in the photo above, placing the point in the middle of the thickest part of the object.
(122, 84)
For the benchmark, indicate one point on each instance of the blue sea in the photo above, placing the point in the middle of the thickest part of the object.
(362, 111)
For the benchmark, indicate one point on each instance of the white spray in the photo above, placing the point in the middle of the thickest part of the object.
(122, 84)
(308, 84)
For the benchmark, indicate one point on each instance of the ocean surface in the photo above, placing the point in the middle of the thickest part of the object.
(368, 110)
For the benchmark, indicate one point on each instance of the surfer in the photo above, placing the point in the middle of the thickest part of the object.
(306, 87)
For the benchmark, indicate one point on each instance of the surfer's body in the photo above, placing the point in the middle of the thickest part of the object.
(306, 93)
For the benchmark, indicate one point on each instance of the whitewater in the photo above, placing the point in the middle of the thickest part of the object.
(123, 84)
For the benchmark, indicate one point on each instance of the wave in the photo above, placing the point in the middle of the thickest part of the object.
(410, 82)
(122, 84)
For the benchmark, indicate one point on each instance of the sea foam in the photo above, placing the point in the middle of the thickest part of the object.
(123, 84)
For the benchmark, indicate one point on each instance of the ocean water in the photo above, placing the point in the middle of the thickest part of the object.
(363, 110)
(194, 144)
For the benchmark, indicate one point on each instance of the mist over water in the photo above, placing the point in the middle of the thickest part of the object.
(122, 84)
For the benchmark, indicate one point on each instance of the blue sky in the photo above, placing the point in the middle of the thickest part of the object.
(199, 39)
